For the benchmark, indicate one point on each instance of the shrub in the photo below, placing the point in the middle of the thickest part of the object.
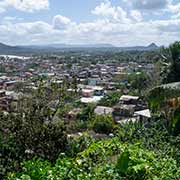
(23, 138)
(98, 162)
(103, 124)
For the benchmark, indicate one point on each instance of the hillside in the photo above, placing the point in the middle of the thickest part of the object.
(7, 49)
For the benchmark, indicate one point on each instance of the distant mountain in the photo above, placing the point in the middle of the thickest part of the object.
(4, 46)
(6, 49)
(60, 46)
(150, 47)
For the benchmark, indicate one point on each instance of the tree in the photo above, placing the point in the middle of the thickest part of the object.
(110, 99)
(87, 113)
(139, 81)
(171, 63)
(29, 133)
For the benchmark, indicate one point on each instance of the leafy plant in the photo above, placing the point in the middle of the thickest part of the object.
(103, 124)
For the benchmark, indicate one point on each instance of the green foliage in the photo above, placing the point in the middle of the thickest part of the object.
(25, 136)
(172, 70)
(96, 163)
(139, 81)
(103, 124)
(158, 103)
(158, 96)
(78, 144)
(123, 162)
(110, 99)
(175, 121)
(137, 152)
(78, 126)
(154, 137)
(87, 113)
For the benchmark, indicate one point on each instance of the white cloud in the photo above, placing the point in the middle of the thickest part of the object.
(121, 34)
(151, 6)
(174, 8)
(171, 26)
(105, 9)
(62, 22)
(8, 19)
(24, 5)
(113, 25)
(136, 15)
(2, 10)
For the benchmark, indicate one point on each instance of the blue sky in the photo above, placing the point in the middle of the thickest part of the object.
(118, 22)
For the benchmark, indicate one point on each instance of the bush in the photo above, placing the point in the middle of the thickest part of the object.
(103, 124)
(22, 138)
(78, 144)
(106, 160)
(87, 113)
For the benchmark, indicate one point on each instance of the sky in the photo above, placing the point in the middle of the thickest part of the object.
(117, 22)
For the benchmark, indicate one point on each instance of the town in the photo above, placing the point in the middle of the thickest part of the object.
(84, 82)
(66, 101)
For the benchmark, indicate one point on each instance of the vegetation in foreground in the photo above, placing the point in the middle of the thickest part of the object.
(135, 153)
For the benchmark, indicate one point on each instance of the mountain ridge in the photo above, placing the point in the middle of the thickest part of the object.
(4, 48)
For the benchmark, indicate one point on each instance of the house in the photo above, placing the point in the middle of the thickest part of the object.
(123, 111)
(10, 85)
(126, 99)
(93, 81)
(127, 107)
(93, 99)
(91, 94)
(87, 92)
(98, 91)
(133, 100)
(102, 110)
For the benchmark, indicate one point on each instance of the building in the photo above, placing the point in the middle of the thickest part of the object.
(126, 99)
(9, 85)
(93, 99)
(102, 110)
(123, 111)
(87, 92)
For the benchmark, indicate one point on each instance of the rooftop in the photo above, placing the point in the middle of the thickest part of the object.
(103, 110)
(145, 113)
(127, 97)
(93, 99)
